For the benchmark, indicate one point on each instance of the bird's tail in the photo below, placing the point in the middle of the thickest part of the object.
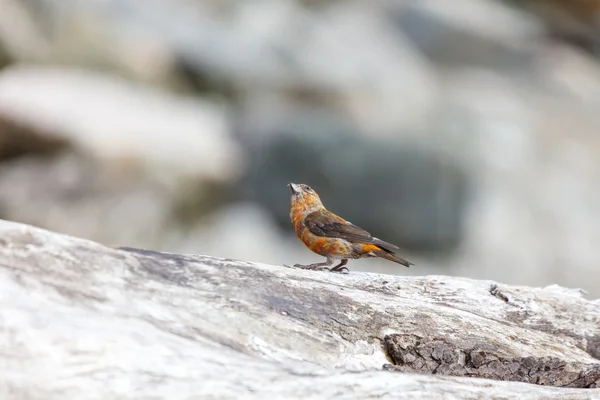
(388, 255)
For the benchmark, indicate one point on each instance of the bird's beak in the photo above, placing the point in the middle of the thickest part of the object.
(294, 188)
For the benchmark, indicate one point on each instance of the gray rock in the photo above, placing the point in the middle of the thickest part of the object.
(81, 320)
(348, 51)
(118, 121)
(534, 167)
(483, 33)
(576, 22)
(243, 231)
(109, 160)
(17, 140)
(21, 37)
(75, 195)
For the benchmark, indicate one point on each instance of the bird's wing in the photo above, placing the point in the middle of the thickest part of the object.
(325, 223)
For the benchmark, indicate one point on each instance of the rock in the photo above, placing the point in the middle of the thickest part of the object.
(571, 75)
(380, 81)
(60, 33)
(242, 230)
(237, 47)
(575, 21)
(75, 195)
(79, 318)
(474, 33)
(534, 167)
(21, 37)
(17, 140)
(117, 121)
(97, 157)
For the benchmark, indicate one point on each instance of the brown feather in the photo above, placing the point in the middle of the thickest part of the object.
(327, 224)
(392, 257)
(385, 245)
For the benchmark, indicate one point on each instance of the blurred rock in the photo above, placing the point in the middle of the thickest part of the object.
(83, 34)
(575, 21)
(535, 167)
(570, 74)
(20, 35)
(123, 163)
(242, 231)
(240, 46)
(4, 57)
(120, 122)
(399, 190)
(483, 33)
(17, 140)
(379, 81)
(77, 196)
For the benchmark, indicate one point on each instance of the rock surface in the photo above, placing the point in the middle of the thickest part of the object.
(81, 320)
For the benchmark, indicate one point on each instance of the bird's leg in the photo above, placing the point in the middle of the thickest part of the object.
(316, 266)
(340, 267)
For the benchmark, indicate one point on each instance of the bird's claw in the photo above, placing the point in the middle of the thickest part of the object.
(342, 270)
(312, 267)
(309, 266)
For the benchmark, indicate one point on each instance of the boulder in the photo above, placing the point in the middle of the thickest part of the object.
(96, 156)
(114, 120)
(468, 33)
(81, 320)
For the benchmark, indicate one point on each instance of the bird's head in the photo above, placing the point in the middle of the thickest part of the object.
(304, 198)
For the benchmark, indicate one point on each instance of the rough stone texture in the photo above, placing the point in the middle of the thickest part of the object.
(80, 320)
(413, 353)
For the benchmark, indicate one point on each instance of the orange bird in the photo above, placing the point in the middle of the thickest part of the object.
(331, 236)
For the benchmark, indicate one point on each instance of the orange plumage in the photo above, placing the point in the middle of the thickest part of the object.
(331, 236)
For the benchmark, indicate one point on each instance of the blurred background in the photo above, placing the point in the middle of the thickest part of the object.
(465, 131)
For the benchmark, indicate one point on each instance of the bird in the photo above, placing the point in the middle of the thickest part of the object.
(331, 236)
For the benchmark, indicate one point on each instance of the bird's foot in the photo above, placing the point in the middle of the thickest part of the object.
(319, 267)
(313, 267)
(341, 270)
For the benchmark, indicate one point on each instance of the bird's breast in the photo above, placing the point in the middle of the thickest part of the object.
(327, 247)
